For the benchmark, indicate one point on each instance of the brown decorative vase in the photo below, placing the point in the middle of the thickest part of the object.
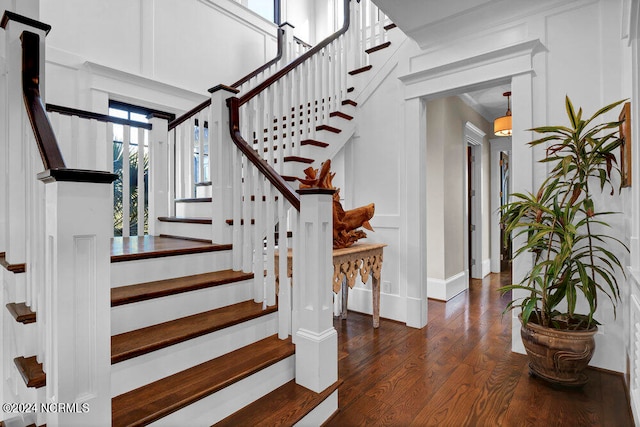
(558, 356)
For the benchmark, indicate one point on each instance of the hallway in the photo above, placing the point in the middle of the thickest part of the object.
(459, 371)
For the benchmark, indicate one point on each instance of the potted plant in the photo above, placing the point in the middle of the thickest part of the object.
(573, 258)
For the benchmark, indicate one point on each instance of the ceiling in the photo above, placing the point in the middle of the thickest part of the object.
(490, 103)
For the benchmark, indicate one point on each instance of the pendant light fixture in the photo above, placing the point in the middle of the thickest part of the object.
(502, 125)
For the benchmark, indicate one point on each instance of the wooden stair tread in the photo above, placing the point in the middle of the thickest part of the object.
(193, 239)
(298, 159)
(378, 47)
(350, 102)
(341, 115)
(14, 268)
(194, 200)
(203, 184)
(144, 247)
(31, 371)
(289, 178)
(314, 143)
(185, 220)
(161, 288)
(286, 405)
(21, 312)
(160, 398)
(360, 70)
(328, 128)
(390, 26)
(145, 340)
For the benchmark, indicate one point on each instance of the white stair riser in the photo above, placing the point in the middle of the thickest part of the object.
(203, 191)
(148, 270)
(320, 413)
(19, 339)
(15, 285)
(194, 209)
(194, 231)
(141, 314)
(133, 373)
(15, 391)
(219, 405)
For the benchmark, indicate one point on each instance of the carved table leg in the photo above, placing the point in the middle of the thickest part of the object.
(345, 299)
(375, 292)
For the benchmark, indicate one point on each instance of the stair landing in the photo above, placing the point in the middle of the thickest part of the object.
(143, 247)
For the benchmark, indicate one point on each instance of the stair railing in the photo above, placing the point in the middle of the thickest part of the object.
(189, 134)
(100, 141)
(368, 31)
(58, 224)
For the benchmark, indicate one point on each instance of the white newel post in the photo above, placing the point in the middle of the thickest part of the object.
(316, 338)
(77, 358)
(220, 156)
(289, 47)
(159, 203)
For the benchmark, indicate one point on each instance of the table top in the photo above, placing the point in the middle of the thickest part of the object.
(353, 249)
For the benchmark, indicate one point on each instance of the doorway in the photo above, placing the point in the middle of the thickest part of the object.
(505, 241)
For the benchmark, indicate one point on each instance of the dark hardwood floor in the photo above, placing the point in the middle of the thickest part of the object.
(459, 371)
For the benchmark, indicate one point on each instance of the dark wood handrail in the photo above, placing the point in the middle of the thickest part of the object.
(55, 168)
(301, 59)
(260, 69)
(302, 42)
(45, 138)
(186, 116)
(262, 165)
(68, 111)
(12, 16)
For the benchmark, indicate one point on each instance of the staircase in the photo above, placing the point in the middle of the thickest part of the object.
(197, 337)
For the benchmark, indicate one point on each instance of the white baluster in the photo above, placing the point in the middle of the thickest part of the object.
(237, 209)
(201, 147)
(296, 125)
(173, 143)
(126, 189)
(247, 247)
(261, 223)
(275, 90)
(284, 294)
(270, 216)
(140, 195)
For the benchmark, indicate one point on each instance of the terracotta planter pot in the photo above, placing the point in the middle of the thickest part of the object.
(558, 356)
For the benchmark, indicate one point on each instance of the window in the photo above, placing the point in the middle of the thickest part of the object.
(138, 191)
(268, 9)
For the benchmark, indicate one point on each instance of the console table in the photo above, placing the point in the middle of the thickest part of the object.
(363, 258)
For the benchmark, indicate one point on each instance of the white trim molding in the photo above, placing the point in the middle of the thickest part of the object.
(444, 290)
(497, 145)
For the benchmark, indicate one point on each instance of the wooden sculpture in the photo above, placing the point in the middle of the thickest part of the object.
(345, 223)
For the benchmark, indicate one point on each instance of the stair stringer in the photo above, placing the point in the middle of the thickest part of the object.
(386, 61)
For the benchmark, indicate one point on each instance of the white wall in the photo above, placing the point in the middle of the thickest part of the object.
(189, 45)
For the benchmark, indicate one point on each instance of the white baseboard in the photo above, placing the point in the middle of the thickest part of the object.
(391, 306)
(486, 267)
(444, 290)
